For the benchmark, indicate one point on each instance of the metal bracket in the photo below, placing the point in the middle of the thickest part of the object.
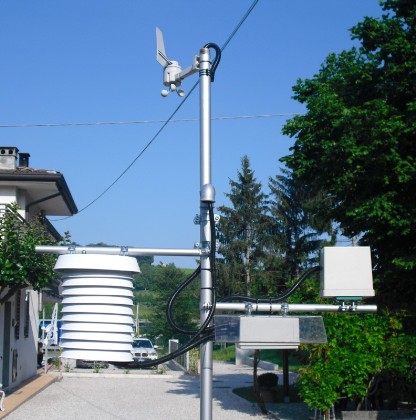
(248, 308)
(284, 308)
(124, 250)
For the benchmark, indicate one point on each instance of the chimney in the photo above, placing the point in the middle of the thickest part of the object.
(24, 160)
(8, 157)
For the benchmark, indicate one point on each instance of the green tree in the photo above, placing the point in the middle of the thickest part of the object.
(242, 230)
(367, 356)
(20, 265)
(186, 308)
(293, 237)
(143, 280)
(356, 142)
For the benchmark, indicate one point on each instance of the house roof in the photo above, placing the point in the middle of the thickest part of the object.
(44, 187)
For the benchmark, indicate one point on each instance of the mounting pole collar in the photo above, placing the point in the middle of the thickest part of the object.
(208, 193)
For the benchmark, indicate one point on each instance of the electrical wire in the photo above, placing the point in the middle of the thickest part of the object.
(244, 18)
(135, 159)
(278, 298)
(217, 58)
(190, 279)
(194, 342)
(172, 299)
(98, 123)
(205, 332)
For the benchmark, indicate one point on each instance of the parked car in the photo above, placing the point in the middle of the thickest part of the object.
(143, 350)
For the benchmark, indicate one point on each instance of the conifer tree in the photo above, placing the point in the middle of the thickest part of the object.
(242, 231)
(293, 236)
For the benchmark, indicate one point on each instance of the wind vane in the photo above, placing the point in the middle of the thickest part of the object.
(172, 71)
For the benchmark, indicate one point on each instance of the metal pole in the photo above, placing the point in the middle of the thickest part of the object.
(118, 250)
(294, 307)
(286, 388)
(137, 321)
(205, 233)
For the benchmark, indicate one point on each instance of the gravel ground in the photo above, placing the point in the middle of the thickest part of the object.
(174, 396)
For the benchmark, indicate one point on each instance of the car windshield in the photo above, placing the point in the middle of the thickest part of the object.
(142, 343)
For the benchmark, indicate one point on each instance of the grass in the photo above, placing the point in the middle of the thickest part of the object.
(143, 298)
(226, 354)
(297, 359)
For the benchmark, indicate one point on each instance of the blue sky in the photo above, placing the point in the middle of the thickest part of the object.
(95, 61)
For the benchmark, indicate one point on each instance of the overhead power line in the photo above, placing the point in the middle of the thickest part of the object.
(81, 124)
(231, 36)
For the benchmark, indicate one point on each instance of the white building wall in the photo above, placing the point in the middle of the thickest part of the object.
(22, 353)
(2, 309)
(9, 195)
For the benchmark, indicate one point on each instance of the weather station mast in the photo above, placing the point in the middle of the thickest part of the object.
(89, 332)
(173, 75)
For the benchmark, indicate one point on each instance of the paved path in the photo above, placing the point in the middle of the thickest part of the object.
(110, 396)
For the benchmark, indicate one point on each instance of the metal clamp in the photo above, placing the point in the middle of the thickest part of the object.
(248, 308)
(285, 308)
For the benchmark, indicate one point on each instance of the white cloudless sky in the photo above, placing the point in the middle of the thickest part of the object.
(88, 61)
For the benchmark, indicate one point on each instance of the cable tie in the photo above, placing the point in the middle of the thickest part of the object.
(205, 72)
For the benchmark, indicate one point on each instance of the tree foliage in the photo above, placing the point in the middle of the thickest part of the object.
(293, 236)
(20, 265)
(242, 230)
(266, 239)
(143, 280)
(166, 279)
(356, 145)
(367, 355)
(356, 142)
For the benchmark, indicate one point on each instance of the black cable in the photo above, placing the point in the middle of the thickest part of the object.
(194, 342)
(277, 298)
(175, 294)
(217, 58)
(188, 281)
(204, 333)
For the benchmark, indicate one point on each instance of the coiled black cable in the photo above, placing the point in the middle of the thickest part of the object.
(204, 333)
(188, 281)
(278, 298)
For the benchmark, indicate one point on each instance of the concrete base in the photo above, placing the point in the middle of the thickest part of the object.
(242, 355)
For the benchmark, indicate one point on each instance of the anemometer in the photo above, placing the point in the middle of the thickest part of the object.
(172, 71)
